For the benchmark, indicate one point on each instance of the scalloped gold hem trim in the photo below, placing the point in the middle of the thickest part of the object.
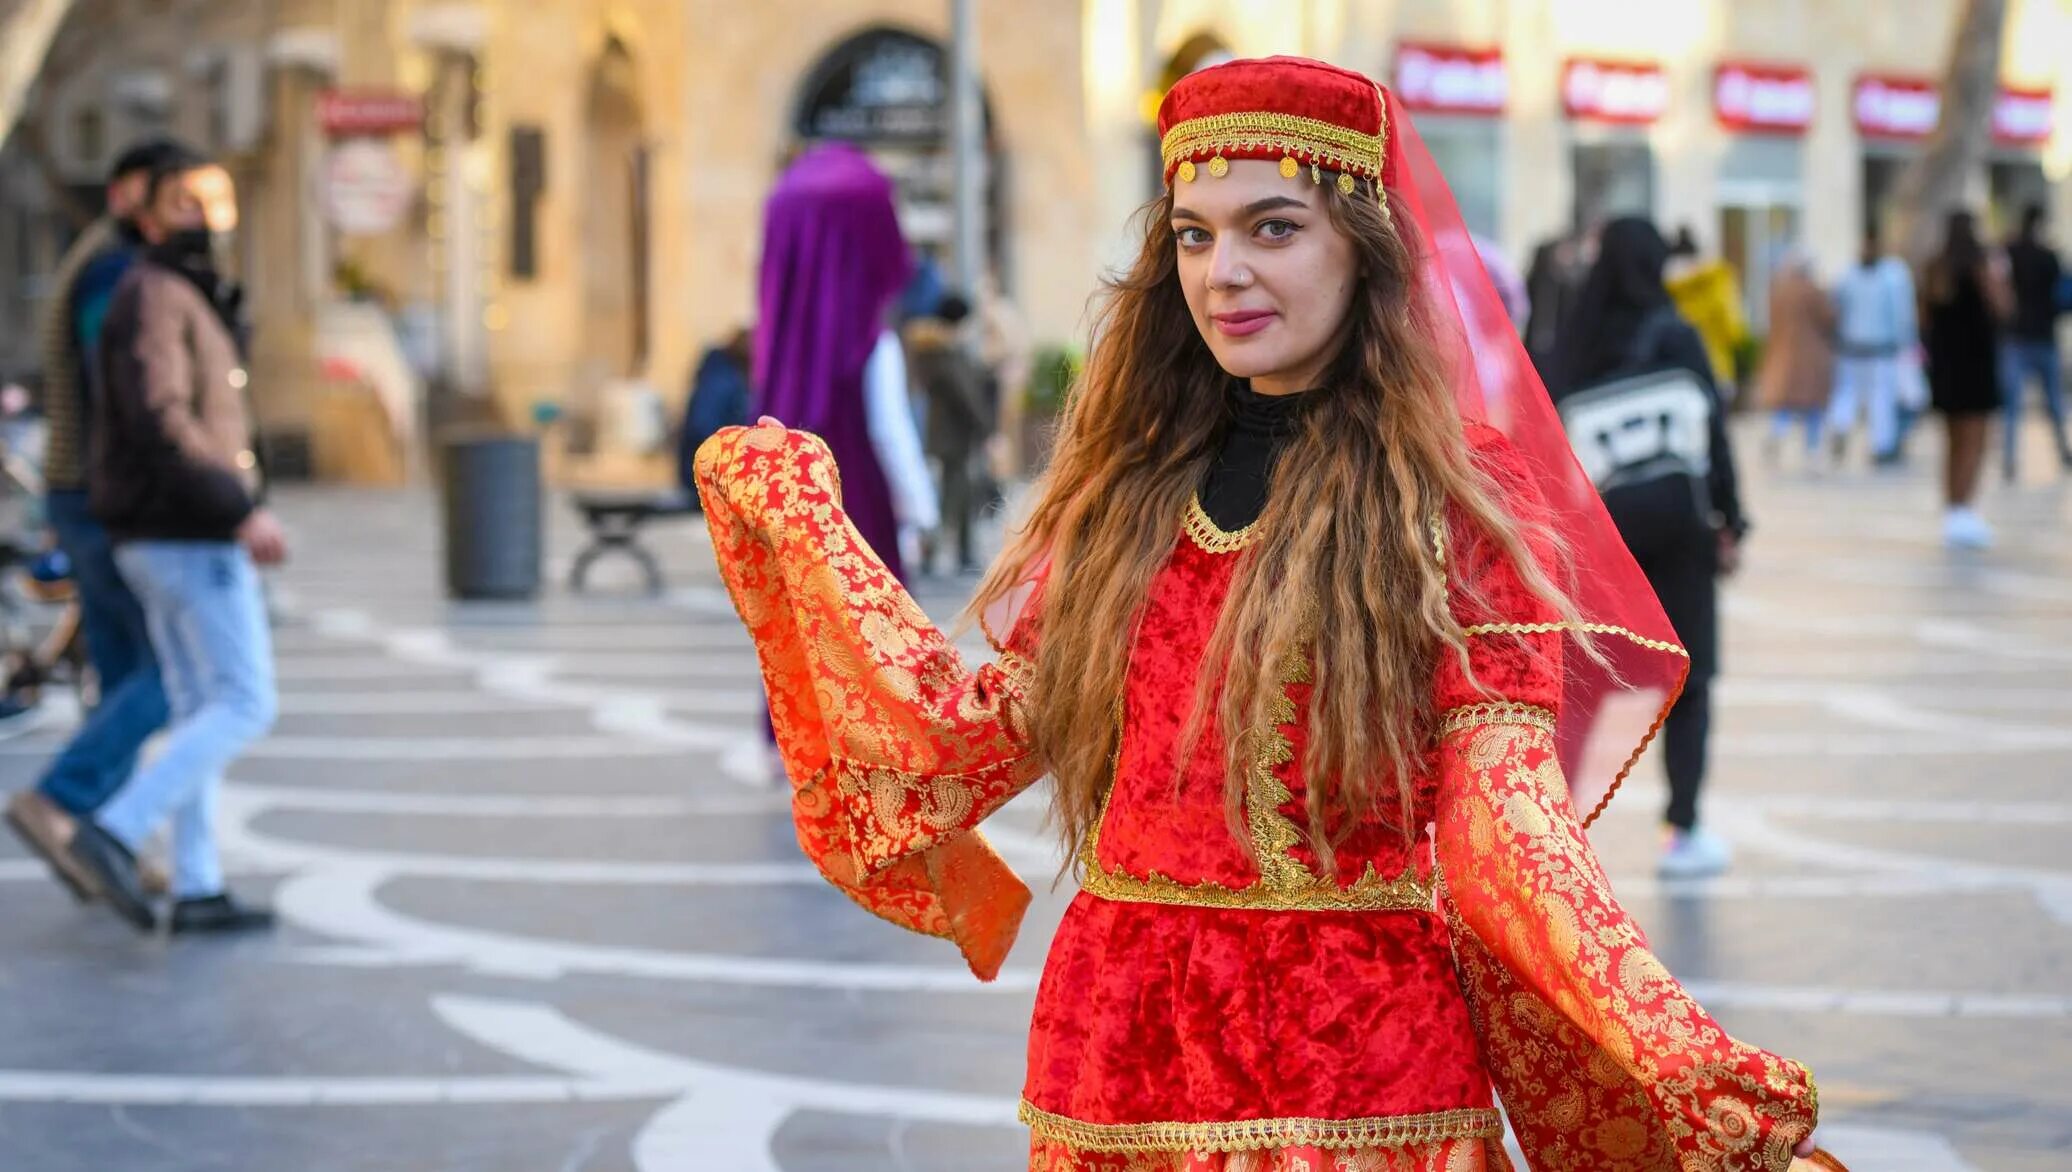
(1567, 628)
(1245, 1135)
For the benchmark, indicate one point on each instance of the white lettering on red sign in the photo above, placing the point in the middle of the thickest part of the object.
(1897, 108)
(1890, 107)
(1610, 91)
(1442, 80)
(1753, 97)
(2023, 117)
(349, 112)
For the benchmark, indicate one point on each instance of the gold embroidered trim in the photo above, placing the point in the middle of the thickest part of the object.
(1244, 1135)
(1325, 143)
(1213, 538)
(1371, 893)
(1589, 628)
(1273, 833)
(1470, 715)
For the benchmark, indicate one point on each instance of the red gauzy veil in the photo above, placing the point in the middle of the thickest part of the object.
(1614, 700)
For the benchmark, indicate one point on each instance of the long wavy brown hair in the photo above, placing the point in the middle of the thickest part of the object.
(1347, 530)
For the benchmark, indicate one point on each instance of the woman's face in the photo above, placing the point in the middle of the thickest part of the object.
(1268, 275)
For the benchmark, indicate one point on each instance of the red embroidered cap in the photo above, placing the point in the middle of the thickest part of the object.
(1306, 114)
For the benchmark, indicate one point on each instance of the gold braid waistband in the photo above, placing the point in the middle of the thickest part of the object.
(1245, 1135)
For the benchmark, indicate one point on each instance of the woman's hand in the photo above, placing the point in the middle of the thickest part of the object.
(1806, 1148)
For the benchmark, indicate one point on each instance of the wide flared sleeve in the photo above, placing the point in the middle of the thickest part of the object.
(895, 750)
(1602, 1060)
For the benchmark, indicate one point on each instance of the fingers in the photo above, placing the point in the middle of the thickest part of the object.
(1806, 1147)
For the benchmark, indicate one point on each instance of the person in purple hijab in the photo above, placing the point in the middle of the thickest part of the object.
(833, 260)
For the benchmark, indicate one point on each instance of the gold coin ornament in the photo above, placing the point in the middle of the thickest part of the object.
(1289, 167)
(1345, 183)
(1186, 170)
(1219, 167)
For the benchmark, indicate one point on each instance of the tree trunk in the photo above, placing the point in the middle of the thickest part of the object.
(26, 30)
(1934, 185)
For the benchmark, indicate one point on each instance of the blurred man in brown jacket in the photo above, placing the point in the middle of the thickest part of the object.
(173, 475)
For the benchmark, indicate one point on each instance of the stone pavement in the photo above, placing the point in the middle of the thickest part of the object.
(533, 923)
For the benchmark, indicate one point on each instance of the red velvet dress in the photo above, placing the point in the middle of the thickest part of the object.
(1203, 1011)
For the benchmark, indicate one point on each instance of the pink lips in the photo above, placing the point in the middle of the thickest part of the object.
(1239, 323)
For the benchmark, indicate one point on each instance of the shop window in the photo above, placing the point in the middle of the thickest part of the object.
(2014, 185)
(89, 137)
(1880, 184)
(1613, 179)
(1469, 153)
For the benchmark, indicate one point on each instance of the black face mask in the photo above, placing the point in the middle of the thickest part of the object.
(189, 248)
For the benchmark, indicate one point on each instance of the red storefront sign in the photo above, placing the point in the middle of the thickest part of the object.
(1443, 79)
(367, 111)
(1776, 99)
(1631, 92)
(2023, 117)
(1909, 107)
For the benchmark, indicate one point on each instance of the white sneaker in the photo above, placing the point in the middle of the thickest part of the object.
(1694, 854)
(1965, 529)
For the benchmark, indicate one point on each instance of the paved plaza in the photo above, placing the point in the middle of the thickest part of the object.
(534, 923)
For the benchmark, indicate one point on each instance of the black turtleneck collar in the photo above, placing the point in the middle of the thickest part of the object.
(1234, 494)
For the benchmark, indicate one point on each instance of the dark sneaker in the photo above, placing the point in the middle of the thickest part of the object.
(114, 870)
(46, 828)
(219, 913)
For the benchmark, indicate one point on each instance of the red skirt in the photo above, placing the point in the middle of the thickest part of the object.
(1166, 1031)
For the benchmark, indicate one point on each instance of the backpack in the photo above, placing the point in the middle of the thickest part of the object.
(1653, 427)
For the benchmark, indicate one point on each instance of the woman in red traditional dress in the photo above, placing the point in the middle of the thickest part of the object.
(1290, 629)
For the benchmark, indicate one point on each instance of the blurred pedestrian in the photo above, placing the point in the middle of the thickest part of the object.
(175, 479)
(720, 396)
(1878, 364)
(1965, 300)
(1503, 275)
(826, 360)
(1551, 283)
(1797, 374)
(2032, 337)
(958, 396)
(1679, 507)
(103, 751)
(1709, 298)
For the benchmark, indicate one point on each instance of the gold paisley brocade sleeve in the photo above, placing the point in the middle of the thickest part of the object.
(895, 750)
(1604, 1063)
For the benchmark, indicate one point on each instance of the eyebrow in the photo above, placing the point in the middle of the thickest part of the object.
(1271, 203)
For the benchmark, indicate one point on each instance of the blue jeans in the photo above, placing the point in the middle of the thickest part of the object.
(1810, 418)
(103, 753)
(208, 624)
(2019, 360)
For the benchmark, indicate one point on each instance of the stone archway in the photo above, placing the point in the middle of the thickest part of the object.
(613, 210)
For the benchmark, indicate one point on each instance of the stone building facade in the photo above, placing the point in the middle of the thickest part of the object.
(567, 209)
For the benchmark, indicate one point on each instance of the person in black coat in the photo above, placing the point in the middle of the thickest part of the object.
(1685, 535)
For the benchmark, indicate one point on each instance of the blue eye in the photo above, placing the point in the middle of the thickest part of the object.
(1191, 237)
(1278, 229)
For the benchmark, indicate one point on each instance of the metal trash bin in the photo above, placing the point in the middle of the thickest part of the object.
(494, 518)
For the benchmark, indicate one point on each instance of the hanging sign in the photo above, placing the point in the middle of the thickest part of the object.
(1630, 92)
(1444, 79)
(1908, 108)
(1774, 99)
